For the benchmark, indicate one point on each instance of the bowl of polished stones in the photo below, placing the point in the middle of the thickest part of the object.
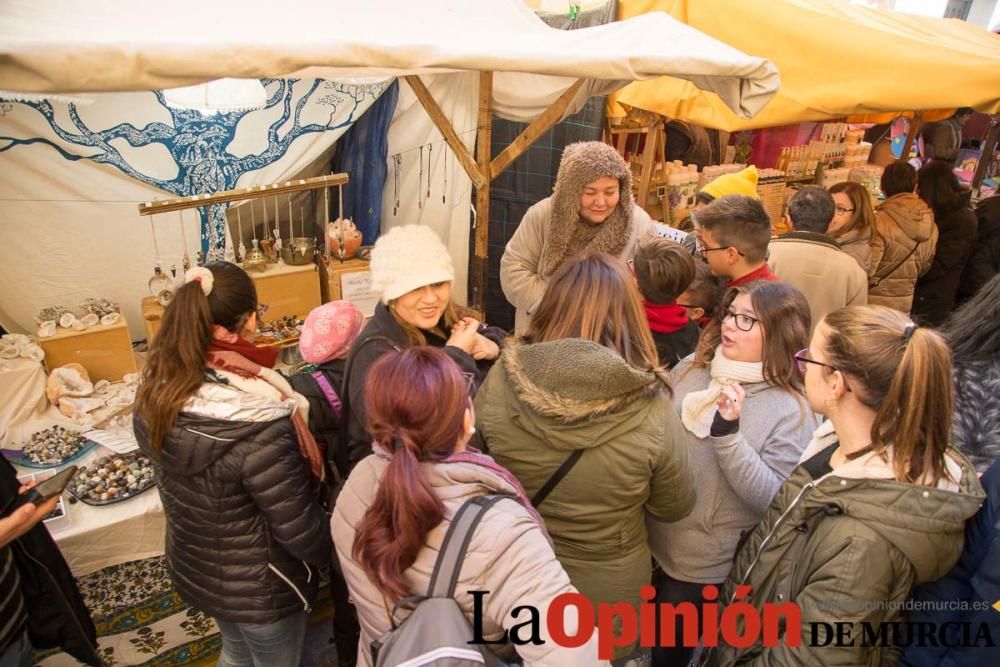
(53, 447)
(112, 479)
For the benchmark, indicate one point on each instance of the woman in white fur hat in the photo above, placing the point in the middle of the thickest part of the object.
(413, 274)
(591, 209)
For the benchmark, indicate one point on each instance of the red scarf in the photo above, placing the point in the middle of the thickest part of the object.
(665, 317)
(235, 354)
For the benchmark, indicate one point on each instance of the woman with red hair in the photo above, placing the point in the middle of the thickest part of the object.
(395, 509)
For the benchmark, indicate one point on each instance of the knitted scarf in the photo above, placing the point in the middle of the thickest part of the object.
(232, 353)
(665, 317)
(698, 407)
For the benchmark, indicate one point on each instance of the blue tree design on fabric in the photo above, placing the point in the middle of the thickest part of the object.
(198, 142)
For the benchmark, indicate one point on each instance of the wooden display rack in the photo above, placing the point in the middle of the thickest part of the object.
(624, 137)
(104, 350)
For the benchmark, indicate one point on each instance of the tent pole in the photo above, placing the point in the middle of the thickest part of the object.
(446, 129)
(911, 136)
(537, 128)
(987, 147)
(484, 139)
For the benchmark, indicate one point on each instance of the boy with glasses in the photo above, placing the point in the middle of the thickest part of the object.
(733, 235)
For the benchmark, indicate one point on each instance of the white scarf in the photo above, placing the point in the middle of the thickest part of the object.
(698, 407)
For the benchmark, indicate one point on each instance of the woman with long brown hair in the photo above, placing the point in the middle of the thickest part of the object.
(880, 499)
(579, 410)
(853, 221)
(392, 516)
(746, 422)
(228, 439)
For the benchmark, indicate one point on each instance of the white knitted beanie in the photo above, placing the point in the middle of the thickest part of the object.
(407, 258)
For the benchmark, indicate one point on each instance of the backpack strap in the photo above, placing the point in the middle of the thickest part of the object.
(456, 542)
(557, 477)
(328, 392)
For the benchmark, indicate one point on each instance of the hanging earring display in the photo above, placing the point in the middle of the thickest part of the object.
(267, 243)
(186, 260)
(430, 169)
(239, 230)
(159, 285)
(255, 259)
(277, 230)
(420, 181)
(397, 161)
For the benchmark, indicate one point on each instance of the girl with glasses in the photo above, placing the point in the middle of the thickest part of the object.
(741, 404)
(853, 221)
(879, 501)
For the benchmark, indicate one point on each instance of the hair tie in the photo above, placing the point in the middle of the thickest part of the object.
(908, 333)
(202, 276)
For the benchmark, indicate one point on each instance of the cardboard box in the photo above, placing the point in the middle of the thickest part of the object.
(105, 351)
(287, 290)
(350, 281)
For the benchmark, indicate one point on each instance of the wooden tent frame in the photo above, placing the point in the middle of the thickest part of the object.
(481, 169)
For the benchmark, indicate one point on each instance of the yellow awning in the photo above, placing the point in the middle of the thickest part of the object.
(835, 60)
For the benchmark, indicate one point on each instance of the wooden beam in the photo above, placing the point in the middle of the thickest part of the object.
(986, 147)
(537, 128)
(239, 194)
(648, 159)
(484, 138)
(915, 124)
(444, 125)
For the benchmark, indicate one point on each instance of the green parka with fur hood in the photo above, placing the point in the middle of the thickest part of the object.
(543, 401)
(847, 546)
(552, 231)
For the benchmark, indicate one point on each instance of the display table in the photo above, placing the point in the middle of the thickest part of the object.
(22, 401)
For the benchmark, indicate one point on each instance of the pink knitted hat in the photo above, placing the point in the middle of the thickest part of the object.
(329, 331)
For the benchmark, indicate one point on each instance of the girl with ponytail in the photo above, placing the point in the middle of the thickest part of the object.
(227, 436)
(394, 510)
(879, 500)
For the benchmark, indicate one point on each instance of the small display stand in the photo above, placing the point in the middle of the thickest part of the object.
(350, 280)
(105, 351)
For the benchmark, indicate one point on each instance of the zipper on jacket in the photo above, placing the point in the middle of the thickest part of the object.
(210, 437)
(305, 603)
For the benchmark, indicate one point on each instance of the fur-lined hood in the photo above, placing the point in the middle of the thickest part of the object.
(573, 380)
(582, 163)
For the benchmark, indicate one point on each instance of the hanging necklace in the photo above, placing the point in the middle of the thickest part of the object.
(186, 260)
(430, 170)
(239, 230)
(420, 180)
(444, 192)
(397, 159)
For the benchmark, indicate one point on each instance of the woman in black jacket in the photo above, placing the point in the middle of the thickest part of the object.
(985, 260)
(229, 443)
(412, 273)
(934, 295)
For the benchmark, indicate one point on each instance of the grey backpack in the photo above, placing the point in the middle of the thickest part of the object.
(437, 633)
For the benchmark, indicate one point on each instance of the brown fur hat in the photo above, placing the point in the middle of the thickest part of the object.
(582, 163)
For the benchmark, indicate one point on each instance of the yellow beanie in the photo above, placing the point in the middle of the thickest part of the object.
(738, 183)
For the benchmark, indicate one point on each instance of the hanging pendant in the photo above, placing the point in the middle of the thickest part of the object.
(239, 228)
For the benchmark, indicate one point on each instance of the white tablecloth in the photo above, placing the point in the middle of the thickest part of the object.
(92, 538)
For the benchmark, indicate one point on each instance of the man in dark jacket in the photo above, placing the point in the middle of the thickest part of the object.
(974, 581)
(984, 263)
(40, 604)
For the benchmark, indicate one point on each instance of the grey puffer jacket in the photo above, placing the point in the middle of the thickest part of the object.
(245, 535)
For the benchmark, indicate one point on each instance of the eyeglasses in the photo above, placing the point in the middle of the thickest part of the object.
(743, 322)
(841, 210)
(801, 360)
(470, 383)
(686, 305)
(704, 251)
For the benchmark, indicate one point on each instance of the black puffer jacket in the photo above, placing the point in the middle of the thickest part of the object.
(380, 335)
(245, 533)
(934, 294)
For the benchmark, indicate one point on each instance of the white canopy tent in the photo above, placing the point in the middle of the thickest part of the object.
(528, 71)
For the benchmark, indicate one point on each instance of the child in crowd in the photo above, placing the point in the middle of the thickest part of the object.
(733, 234)
(327, 336)
(701, 298)
(663, 270)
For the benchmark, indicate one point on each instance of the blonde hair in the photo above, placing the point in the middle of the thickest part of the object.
(903, 373)
(414, 335)
(593, 297)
